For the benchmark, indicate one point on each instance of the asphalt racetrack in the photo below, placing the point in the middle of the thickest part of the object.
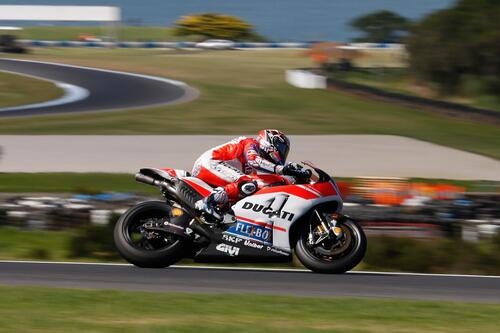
(91, 89)
(245, 280)
(340, 155)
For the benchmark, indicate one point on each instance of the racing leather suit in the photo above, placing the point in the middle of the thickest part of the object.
(227, 166)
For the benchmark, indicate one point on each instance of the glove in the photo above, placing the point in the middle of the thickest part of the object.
(296, 170)
(305, 173)
(288, 169)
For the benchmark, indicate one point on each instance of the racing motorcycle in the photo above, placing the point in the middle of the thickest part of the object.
(301, 212)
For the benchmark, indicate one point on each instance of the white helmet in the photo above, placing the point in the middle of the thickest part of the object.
(274, 144)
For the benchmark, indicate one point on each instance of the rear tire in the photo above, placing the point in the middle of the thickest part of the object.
(164, 252)
(337, 265)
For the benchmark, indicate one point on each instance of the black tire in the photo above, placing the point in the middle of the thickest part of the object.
(142, 257)
(338, 265)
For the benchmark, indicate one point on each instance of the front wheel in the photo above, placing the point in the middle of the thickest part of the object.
(335, 257)
(145, 248)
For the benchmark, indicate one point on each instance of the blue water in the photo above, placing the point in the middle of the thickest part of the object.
(278, 20)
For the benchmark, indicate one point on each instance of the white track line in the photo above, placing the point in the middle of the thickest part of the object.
(156, 78)
(72, 94)
(291, 270)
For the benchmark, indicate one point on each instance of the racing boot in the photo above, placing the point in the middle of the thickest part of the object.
(213, 205)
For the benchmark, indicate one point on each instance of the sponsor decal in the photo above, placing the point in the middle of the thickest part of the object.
(232, 239)
(246, 242)
(272, 249)
(252, 244)
(258, 208)
(234, 251)
(230, 250)
(255, 232)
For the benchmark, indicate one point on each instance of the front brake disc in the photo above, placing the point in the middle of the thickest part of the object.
(339, 247)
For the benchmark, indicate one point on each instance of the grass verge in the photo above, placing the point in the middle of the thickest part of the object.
(40, 245)
(67, 182)
(399, 80)
(71, 183)
(61, 310)
(18, 90)
(243, 92)
(95, 243)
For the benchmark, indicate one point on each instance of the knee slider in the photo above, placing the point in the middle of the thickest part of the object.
(247, 187)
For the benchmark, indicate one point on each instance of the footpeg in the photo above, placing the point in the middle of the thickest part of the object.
(229, 219)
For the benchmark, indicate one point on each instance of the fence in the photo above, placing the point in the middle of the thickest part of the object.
(153, 45)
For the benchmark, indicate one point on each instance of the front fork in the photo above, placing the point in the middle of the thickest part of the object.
(326, 229)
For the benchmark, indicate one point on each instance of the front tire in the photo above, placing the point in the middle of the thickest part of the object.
(156, 252)
(348, 256)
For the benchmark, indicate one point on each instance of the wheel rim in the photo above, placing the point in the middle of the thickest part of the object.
(141, 239)
(330, 251)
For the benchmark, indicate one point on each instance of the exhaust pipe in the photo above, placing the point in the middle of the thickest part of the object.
(146, 179)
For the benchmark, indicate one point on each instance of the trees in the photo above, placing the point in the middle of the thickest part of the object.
(212, 25)
(459, 46)
(381, 26)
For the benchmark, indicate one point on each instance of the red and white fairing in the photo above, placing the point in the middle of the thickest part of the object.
(174, 172)
(267, 216)
(277, 208)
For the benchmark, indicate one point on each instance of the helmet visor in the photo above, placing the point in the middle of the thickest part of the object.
(282, 148)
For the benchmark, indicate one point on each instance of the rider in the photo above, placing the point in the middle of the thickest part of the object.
(226, 167)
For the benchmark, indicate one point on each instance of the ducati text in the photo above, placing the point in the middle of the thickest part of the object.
(268, 211)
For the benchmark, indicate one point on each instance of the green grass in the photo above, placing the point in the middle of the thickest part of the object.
(491, 102)
(125, 33)
(394, 79)
(71, 182)
(43, 245)
(18, 90)
(35, 309)
(22, 244)
(242, 92)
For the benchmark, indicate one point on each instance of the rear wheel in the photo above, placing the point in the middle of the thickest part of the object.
(142, 247)
(332, 255)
